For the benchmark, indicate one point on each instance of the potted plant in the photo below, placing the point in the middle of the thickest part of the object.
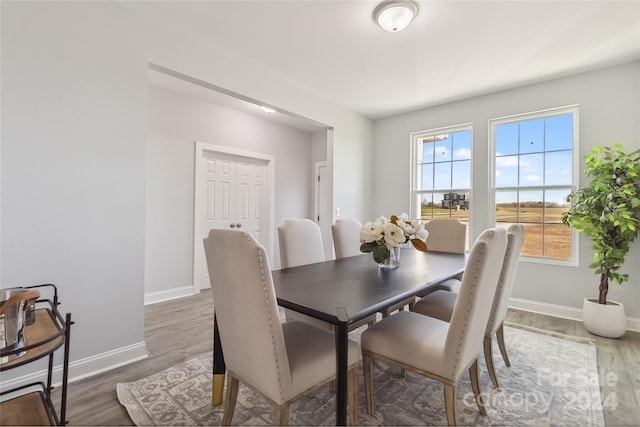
(608, 211)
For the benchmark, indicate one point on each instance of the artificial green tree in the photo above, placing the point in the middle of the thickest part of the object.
(608, 210)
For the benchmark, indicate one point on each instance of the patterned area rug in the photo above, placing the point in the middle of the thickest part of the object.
(553, 380)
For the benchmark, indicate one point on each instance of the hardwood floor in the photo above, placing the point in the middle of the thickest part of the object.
(179, 330)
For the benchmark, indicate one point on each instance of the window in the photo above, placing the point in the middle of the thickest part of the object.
(441, 173)
(534, 172)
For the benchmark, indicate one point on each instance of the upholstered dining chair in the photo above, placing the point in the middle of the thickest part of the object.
(346, 237)
(440, 304)
(300, 243)
(432, 347)
(346, 242)
(446, 235)
(279, 361)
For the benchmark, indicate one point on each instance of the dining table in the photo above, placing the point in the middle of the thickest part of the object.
(347, 290)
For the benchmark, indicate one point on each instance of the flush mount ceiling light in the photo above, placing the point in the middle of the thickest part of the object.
(395, 15)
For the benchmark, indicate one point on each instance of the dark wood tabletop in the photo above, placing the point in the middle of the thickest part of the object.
(356, 287)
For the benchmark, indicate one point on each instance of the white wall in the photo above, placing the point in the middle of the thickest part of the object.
(74, 119)
(175, 122)
(349, 149)
(609, 103)
(74, 116)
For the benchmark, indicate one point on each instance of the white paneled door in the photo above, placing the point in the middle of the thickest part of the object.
(234, 191)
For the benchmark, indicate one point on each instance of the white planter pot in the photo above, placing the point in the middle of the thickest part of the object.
(605, 320)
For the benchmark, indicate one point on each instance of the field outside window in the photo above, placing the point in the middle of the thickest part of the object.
(534, 173)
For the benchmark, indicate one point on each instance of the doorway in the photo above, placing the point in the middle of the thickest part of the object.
(233, 191)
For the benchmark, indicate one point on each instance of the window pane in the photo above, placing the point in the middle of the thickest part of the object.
(442, 205)
(557, 241)
(531, 170)
(532, 136)
(507, 171)
(426, 206)
(462, 145)
(557, 168)
(555, 205)
(442, 178)
(444, 165)
(530, 206)
(461, 174)
(533, 175)
(506, 206)
(425, 179)
(427, 150)
(506, 139)
(443, 148)
(559, 132)
(532, 244)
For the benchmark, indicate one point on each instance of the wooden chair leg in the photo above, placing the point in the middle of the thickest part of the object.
(367, 365)
(352, 384)
(281, 415)
(501, 346)
(488, 357)
(450, 403)
(230, 399)
(475, 386)
(333, 386)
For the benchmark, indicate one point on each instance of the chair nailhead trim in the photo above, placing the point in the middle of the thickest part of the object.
(465, 321)
(266, 301)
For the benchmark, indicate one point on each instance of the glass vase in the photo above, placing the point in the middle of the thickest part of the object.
(393, 261)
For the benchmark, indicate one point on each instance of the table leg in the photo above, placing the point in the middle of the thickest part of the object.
(342, 360)
(219, 367)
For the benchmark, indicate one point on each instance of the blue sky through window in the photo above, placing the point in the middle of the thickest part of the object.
(446, 161)
(534, 153)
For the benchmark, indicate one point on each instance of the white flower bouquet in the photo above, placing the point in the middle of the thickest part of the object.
(382, 235)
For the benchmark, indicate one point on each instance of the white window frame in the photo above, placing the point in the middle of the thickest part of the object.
(416, 139)
(493, 123)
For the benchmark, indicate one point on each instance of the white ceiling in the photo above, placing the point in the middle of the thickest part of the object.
(452, 50)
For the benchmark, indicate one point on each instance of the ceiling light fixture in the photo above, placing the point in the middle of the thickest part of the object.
(395, 15)
(268, 110)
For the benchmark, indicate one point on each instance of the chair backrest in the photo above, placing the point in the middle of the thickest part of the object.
(515, 237)
(446, 235)
(473, 304)
(300, 243)
(246, 311)
(346, 237)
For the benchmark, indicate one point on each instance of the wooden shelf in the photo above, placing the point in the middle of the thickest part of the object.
(42, 330)
(26, 410)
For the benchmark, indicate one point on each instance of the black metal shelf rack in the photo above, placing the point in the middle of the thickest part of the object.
(49, 332)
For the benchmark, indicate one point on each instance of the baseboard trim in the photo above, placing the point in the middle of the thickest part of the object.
(161, 296)
(84, 368)
(562, 311)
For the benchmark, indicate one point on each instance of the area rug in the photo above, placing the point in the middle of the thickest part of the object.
(553, 380)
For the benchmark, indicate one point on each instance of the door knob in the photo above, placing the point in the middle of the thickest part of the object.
(232, 225)
(239, 225)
